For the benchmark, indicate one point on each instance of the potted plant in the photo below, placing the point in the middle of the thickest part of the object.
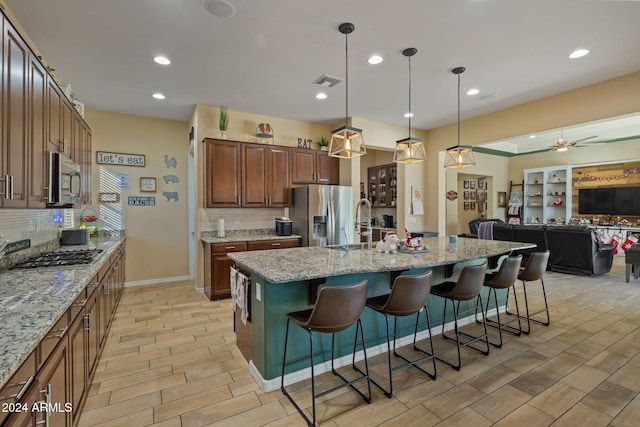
(223, 122)
(323, 143)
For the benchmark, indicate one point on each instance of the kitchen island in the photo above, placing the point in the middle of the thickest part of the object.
(287, 280)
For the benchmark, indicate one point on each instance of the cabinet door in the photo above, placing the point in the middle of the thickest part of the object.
(54, 120)
(219, 265)
(68, 135)
(254, 174)
(14, 144)
(78, 340)
(55, 378)
(85, 165)
(93, 330)
(303, 166)
(38, 143)
(279, 177)
(273, 244)
(327, 169)
(223, 166)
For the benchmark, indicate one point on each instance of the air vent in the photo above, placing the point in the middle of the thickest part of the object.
(327, 81)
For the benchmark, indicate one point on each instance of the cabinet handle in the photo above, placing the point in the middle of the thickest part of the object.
(229, 247)
(11, 186)
(47, 400)
(61, 334)
(89, 318)
(20, 394)
(275, 244)
(105, 289)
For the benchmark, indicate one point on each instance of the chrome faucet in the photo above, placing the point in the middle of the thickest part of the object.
(360, 223)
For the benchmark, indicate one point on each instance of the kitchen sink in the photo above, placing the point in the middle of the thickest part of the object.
(345, 248)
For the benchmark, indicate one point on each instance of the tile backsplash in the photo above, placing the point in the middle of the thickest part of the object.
(241, 219)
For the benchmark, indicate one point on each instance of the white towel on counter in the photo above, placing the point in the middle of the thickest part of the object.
(244, 283)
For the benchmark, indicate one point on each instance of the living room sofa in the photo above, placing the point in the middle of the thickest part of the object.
(574, 249)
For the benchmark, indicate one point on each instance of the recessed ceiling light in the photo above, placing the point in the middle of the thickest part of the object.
(407, 115)
(578, 53)
(162, 60)
(375, 59)
(220, 8)
(158, 95)
(532, 136)
(321, 95)
(473, 92)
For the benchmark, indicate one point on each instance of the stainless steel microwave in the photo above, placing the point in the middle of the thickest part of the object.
(64, 180)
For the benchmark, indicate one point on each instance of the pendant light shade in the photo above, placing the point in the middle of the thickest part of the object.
(459, 156)
(409, 150)
(347, 141)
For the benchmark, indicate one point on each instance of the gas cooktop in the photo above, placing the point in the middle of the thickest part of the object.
(60, 258)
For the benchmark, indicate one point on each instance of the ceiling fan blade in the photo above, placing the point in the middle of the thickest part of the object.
(582, 140)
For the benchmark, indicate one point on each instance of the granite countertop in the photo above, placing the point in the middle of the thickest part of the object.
(295, 264)
(31, 301)
(243, 236)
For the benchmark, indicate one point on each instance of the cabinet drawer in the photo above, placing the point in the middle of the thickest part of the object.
(273, 244)
(223, 248)
(16, 388)
(55, 335)
(78, 304)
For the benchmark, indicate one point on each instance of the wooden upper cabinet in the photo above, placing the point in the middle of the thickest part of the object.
(38, 145)
(314, 167)
(327, 168)
(14, 140)
(265, 176)
(54, 115)
(223, 166)
(67, 136)
(279, 176)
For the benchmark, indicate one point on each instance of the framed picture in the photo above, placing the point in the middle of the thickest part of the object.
(466, 206)
(148, 184)
(472, 195)
(466, 184)
(481, 183)
(466, 195)
(502, 199)
(472, 185)
(473, 206)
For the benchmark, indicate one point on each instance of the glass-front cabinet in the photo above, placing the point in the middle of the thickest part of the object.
(547, 195)
(383, 185)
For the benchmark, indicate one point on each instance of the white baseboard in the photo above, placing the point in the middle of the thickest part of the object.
(303, 374)
(156, 281)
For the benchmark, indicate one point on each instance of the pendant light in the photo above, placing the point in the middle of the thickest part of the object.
(347, 142)
(460, 156)
(411, 149)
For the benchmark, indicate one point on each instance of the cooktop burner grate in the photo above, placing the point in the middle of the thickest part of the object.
(60, 258)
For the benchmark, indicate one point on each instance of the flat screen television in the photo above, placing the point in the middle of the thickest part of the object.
(609, 201)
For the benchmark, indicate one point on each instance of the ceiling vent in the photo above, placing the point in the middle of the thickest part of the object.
(327, 81)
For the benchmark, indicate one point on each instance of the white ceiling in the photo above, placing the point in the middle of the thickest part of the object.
(264, 59)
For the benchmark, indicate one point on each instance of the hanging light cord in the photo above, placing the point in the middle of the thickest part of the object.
(458, 111)
(346, 80)
(410, 100)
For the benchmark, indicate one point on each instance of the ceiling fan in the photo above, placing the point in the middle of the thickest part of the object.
(564, 145)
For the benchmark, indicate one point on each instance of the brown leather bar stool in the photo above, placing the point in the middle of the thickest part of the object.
(505, 278)
(466, 288)
(336, 309)
(408, 296)
(534, 270)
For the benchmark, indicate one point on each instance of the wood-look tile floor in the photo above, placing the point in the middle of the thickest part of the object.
(170, 360)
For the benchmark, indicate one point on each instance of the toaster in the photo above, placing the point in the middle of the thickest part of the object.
(283, 226)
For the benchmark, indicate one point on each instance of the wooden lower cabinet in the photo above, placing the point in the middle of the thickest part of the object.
(217, 263)
(58, 373)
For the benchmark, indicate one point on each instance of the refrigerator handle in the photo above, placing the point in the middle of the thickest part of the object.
(331, 218)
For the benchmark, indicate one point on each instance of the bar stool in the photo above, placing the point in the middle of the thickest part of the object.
(632, 261)
(505, 278)
(408, 296)
(336, 309)
(467, 287)
(534, 270)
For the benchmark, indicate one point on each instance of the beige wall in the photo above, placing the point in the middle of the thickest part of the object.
(156, 235)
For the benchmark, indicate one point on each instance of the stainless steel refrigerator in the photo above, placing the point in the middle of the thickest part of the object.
(323, 214)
